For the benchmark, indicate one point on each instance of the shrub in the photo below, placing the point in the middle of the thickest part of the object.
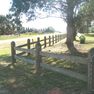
(82, 39)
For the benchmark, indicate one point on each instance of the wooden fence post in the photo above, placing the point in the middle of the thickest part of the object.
(13, 52)
(33, 44)
(28, 45)
(49, 40)
(44, 41)
(38, 56)
(53, 39)
(61, 36)
(58, 38)
(91, 72)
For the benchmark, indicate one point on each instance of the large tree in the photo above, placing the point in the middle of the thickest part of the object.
(15, 21)
(86, 14)
(5, 25)
(67, 8)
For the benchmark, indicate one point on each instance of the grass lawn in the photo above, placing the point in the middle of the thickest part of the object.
(21, 79)
(4, 37)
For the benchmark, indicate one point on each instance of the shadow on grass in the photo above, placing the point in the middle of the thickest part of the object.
(21, 79)
(5, 58)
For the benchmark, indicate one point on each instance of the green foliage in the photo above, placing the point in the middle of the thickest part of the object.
(49, 30)
(82, 39)
(91, 29)
(16, 22)
(5, 25)
(8, 26)
(86, 13)
(27, 7)
(30, 7)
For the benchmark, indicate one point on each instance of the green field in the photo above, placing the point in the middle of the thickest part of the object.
(21, 79)
(4, 37)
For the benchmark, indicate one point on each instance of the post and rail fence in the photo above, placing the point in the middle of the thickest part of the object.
(31, 45)
(37, 51)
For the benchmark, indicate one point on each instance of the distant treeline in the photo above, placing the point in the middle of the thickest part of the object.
(10, 26)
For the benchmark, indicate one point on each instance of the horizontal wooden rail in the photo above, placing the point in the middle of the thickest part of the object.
(33, 42)
(21, 53)
(65, 72)
(22, 45)
(74, 59)
(41, 40)
(25, 50)
(47, 42)
(25, 60)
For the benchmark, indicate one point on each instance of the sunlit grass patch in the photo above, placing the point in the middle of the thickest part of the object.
(4, 37)
(80, 68)
(89, 37)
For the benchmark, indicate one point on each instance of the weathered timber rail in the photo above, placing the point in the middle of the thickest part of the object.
(38, 53)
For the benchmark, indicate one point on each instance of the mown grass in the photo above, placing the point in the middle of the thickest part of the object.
(21, 79)
(89, 37)
(79, 68)
(4, 37)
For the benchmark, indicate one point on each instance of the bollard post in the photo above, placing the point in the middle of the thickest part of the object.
(49, 40)
(53, 39)
(13, 52)
(44, 41)
(28, 46)
(58, 38)
(38, 56)
(33, 44)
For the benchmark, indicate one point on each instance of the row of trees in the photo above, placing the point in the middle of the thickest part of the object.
(34, 30)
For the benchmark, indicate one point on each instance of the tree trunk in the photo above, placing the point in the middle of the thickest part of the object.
(74, 34)
(70, 39)
(70, 30)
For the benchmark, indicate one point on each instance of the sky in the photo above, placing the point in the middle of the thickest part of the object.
(57, 23)
(4, 6)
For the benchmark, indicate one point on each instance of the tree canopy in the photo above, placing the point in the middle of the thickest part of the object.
(5, 25)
